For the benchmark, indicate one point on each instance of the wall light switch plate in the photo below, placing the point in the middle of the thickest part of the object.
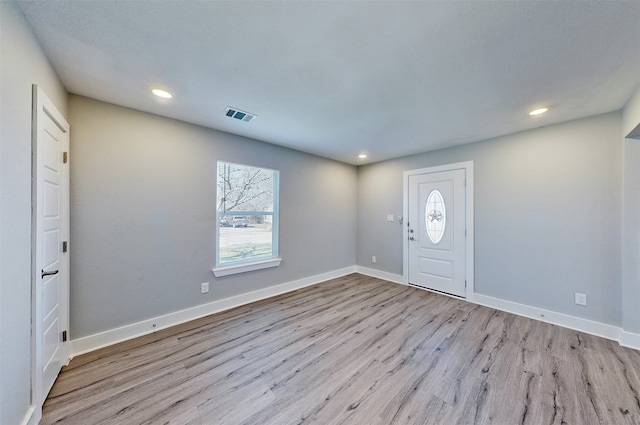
(204, 287)
(390, 217)
(581, 299)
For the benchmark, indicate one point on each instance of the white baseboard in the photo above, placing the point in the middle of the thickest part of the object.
(31, 418)
(396, 278)
(629, 339)
(548, 316)
(626, 339)
(113, 336)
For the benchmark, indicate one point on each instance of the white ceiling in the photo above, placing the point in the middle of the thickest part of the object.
(388, 78)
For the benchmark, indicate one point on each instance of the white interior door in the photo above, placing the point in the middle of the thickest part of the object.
(51, 264)
(436, 231)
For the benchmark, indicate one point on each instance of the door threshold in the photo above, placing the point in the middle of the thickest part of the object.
(459, 297)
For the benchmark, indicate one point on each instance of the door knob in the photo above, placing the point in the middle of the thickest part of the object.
(412, 238)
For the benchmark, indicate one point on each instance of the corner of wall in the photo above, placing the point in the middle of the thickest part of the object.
(631, 113)
(630, 238)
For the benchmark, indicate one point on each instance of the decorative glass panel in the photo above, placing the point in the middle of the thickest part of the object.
(435, 216)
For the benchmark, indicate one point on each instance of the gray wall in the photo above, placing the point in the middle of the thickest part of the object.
(22, 65)
(547, 215)
(631, 220)
(143, 192)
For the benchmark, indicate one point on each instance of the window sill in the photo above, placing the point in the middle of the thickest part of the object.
(246, 267)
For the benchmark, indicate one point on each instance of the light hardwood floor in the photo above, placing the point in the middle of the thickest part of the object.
(353, 350)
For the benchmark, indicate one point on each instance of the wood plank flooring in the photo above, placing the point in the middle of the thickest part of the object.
(353, 350)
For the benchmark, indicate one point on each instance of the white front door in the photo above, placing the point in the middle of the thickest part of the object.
(51, 264)
(436, 231)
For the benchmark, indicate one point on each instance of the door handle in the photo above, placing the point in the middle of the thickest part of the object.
(412, 238)
(48, 273)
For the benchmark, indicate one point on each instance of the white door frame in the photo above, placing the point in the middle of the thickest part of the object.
(469, 219)
(43, 106)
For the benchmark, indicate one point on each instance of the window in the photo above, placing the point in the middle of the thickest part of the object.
(435, 216)
(247, 218)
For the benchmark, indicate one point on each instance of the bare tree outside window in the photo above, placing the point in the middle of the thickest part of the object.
(246, 212)
(243, 188)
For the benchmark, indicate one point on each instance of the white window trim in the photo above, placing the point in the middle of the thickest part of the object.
(236, 268)
(259, 263)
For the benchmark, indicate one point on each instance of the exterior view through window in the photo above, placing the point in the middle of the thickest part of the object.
(247, 213)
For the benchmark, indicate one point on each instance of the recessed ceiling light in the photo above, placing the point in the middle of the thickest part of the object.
(162, 93)
(362, 156)
(538, 111)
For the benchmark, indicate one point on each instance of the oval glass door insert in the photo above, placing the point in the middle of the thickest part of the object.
(435, 216)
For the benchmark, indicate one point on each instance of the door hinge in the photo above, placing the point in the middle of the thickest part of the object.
(465, 283)
(64, 336)
(65, 157)
(64, 246)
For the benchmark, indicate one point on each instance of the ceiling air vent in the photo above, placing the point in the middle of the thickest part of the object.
(238, 114)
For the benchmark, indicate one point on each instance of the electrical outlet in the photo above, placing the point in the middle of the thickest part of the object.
(204, 287)
(581, 299)
(373, 258)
